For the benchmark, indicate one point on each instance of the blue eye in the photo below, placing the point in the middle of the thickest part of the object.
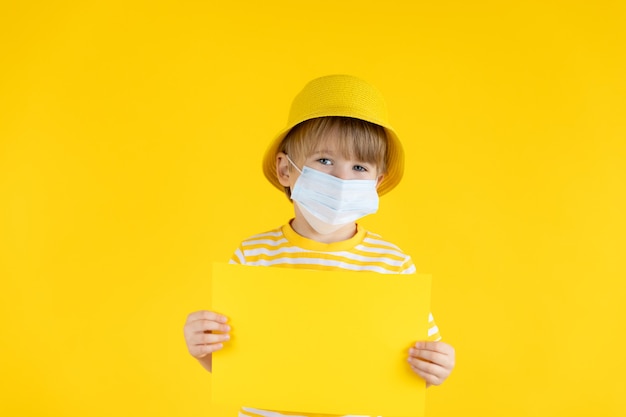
(324, 161)
(359, 168)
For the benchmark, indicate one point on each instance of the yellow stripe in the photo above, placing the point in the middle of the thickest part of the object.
(359, 249)
(356, 251)
(434, 337)
(313, 256)
(269, 237)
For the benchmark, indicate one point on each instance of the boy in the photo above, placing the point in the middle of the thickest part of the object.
(337, 154)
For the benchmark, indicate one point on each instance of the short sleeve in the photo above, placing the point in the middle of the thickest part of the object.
(433, 330)
(238, 257)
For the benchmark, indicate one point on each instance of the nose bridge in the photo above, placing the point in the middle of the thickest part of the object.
(343, 170)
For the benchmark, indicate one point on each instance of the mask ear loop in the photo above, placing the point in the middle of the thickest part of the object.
(292, 163)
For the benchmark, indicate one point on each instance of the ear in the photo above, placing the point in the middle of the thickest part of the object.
(379, 180)
(282, 169)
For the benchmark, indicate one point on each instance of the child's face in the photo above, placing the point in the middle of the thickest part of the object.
(328, 158)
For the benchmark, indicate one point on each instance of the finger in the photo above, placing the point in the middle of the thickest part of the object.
(206, 315)
(202, 326)
(432, 373)
(201, 351)
(435, 347)
(429, 378)
(196, 330)
(427, 367)
(430, 356)
(210, 338)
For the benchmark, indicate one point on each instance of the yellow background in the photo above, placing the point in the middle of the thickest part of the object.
(130, 143)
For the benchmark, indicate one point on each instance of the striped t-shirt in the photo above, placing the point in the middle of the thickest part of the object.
(365, 251)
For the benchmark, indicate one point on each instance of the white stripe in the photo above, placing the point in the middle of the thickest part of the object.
(324, 262)
(269, 242)
(382, 243)
(411, 270)
(265, 413)
(369, 233)
(343, 254)
(274, 252)
(380, 251)
(240, 257)
(363, 258)
(433, 330)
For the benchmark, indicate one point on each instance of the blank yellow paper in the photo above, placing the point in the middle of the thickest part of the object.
(319, 342)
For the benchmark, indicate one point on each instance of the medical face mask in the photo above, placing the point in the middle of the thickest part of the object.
(328, 203)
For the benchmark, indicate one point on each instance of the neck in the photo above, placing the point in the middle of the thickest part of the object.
(302, 227)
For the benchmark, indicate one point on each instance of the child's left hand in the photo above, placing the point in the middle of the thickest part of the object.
(433, 361)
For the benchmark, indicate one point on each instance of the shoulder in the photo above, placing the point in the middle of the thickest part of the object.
(377, 240)
(258, 247)
(383, 250)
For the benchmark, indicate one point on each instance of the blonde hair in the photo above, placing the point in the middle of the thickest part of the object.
(358, 139)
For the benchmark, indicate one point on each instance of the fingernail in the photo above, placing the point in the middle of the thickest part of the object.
(411, 351)
(227, 337)
(227, 327)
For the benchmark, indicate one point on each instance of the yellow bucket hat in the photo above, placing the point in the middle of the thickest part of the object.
(340, 95)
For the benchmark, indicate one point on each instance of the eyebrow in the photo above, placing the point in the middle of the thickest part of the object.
(322, 151)
(331, 153)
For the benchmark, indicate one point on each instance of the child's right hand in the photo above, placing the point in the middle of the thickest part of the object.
(200, 333)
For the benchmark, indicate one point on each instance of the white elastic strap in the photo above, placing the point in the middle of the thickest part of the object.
(292, 163)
